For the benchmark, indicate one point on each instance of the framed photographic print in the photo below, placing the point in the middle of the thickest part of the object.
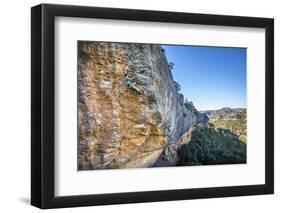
(139, 106)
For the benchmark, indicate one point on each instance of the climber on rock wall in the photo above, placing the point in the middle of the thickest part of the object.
(129, 82)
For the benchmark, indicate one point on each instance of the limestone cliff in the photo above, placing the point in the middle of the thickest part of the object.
(122, 127)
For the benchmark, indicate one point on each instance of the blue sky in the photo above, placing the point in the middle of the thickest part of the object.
(211, 77)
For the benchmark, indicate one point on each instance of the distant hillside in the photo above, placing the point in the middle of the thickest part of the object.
(222, 111)
(234, 120)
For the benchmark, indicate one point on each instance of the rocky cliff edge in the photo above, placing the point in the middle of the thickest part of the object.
(123, 126)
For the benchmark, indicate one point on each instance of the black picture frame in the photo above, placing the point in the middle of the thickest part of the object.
(43, 105)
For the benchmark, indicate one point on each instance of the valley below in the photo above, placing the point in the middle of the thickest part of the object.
(222, 141)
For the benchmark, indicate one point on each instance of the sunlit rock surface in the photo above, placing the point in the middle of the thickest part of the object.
(121, 127)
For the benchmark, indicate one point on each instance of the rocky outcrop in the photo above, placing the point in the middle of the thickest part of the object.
(201, 120)
(169, 156)
(121, 126)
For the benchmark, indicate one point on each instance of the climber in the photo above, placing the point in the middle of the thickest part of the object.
(129, 82)
(165, 131)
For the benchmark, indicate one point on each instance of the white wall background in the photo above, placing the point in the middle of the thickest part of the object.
(15, 105)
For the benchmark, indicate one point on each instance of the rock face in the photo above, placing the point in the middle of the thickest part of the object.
(170, 155)
(123, 127)
(202, 119)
